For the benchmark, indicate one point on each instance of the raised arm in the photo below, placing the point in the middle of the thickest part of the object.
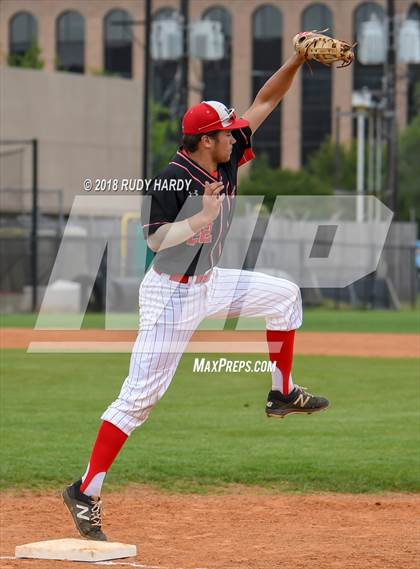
(272, 92)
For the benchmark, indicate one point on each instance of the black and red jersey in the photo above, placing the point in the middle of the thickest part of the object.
(175, 194)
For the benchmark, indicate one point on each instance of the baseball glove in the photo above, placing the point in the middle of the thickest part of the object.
(316, 46)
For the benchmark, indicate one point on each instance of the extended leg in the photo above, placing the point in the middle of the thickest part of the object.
(169, 316)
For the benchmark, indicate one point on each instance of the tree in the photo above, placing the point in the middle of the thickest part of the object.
(31, 59)
(322, 165)
(271, 183)
(409, 171)
(416, 98)
(164, 136)
(318, 177)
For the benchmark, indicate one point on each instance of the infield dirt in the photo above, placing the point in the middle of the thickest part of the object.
(307, 343)
(241, 528)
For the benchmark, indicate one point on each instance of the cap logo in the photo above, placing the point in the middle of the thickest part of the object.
(226, 116)
(211, 116)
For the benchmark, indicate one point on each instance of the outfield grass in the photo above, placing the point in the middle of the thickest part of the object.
(322, 320)
(211, 429)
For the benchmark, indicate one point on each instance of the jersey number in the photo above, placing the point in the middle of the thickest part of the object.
(203, 236)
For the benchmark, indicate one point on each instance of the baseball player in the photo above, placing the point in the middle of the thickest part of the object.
(186, 217)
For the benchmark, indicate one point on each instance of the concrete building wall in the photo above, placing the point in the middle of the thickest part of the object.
(87, 127)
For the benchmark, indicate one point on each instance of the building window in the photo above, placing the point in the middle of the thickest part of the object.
(369, 76)
(165, 81)
(23, 30)
(216, 74)
(413, 70)
(118, 43)
(316, 87)
(70, 48)
(266, 59)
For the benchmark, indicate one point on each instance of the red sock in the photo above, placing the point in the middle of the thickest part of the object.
(108, 444)
(280, 345)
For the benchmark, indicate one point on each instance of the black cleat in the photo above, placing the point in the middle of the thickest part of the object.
(298, 401)
(86, 512)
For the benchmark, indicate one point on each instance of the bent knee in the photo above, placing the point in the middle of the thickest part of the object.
(294, 291)
(289, 315)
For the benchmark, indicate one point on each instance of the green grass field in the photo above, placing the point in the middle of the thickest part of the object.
(322, 320)
(210, 430)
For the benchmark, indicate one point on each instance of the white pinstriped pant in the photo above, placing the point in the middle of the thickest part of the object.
(169, 314)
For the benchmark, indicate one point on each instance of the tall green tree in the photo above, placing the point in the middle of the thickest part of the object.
(271, 183)
(416, 98)
(323, 165)
(164, 136)
(409, 171)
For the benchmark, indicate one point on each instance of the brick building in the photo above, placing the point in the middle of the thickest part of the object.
(79, 36)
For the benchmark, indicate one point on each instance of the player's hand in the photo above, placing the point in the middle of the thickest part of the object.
(212, 200)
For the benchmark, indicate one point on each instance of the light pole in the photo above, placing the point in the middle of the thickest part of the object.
(146, 94)
(391, 82)
(360, 187)
(362, 102)
(184, 10)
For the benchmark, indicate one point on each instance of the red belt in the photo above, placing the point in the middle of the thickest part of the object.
(185, 279)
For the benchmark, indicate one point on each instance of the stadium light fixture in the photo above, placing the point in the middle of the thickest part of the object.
(372, 42)
(409, 42)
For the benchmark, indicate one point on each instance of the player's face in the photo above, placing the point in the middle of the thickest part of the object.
(223, 145)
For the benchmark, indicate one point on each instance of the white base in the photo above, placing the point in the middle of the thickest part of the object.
(75, 550)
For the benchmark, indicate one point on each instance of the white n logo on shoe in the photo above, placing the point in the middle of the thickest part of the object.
(301, 400)
(83, 511)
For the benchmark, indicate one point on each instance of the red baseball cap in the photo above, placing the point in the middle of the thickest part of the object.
(210, 115)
